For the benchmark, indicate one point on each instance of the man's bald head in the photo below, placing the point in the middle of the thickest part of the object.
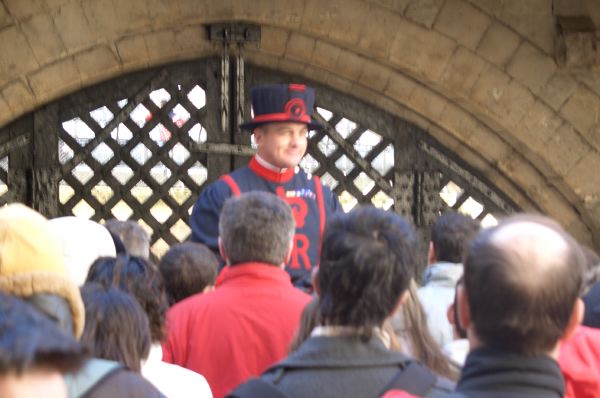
(522, 280)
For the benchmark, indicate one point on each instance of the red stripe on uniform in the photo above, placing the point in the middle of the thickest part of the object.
(235, 189)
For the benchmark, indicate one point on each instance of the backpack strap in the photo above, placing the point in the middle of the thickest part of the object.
(93, 372)
(257, 388)
(235, 189)
(413, 378)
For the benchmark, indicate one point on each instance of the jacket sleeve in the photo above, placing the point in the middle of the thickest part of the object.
(204, 220)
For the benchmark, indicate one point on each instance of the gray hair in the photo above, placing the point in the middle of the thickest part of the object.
(256, 227)
(134, 237)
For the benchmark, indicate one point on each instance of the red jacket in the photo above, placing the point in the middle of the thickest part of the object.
(579, 361)
(238, 330)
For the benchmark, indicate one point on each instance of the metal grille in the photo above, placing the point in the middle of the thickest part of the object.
(143, 146)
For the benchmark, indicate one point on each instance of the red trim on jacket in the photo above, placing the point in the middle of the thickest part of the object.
(273, 176)
(235, 189)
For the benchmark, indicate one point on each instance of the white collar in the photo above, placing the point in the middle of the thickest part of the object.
(155, 355)
(349, 331)
(268, 165)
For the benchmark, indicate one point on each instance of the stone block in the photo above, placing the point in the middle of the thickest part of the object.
(400, 87)
(376, 39)
(350, 65)
(531, 67)
(132, 51)
(300, 47)
(96, 63)
(498, 44)
(462, 22)
(560, 87)
(538, 126)
(291, 67)
(461, 73)
(427, 103)
(43, 37)
(423, 12)
(582, 109)
(284, 13)
(338, 83)
(318, 16)
(325, 55)
(592, 136)
(20, 9)
(349, 23)
(273, 40)
(5, 18)
(18, 96)
(422, 51)
(489, 88)
(17, 57)
(564, 149)
(54, 80)
(75, 30)
(375, 76)
(584, 177)
(513, 105)
(193, 39)
(162, 46)
(6, 114)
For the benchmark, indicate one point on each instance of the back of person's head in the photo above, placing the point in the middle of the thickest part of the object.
(256, 227)
(32, 267)
(522, 279)
(141, 279)
(82, 241)
(133, 236)
(116, 327)
(29, 339)
(188, 268)
(451, 234)
(367, 262)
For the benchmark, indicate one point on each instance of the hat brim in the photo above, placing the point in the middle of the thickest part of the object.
(251, 125)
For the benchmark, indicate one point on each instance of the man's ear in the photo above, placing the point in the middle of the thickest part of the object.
(464, 312)
(431, 255)
(288, 256)
(258, 134)
(222, 251)
(575, 319)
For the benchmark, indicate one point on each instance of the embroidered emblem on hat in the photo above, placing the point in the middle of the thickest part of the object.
(295, 108)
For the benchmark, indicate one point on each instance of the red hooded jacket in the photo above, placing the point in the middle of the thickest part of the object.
(579, 361)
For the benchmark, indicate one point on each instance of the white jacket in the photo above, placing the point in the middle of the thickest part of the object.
(172, 380)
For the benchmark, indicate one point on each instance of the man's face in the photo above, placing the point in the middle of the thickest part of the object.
(281, 144)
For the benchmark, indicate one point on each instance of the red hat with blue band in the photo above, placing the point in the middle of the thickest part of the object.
(282, 103)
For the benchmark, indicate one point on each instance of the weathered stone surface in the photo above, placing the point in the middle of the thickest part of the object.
(424, 12)
(400, 87)
(422, 51)
(376, 38)
(531, 67)
(498, 44)
(350, 65)
(427, 103)
(375, 76)
(582, 109)
(584, 178)
(461, 73)
(58, 78)
(273, 40)
(463, 22)
(560, 87)
(5, 18)
(44, 39)
(17, 57)
(132, 51)
(300, 47)
(18, 96)
(74, 29)
(96, 63)
(564, 149)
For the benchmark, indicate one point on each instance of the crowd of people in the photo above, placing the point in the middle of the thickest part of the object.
(280, 294)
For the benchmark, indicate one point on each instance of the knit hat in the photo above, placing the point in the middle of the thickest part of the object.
(31, 260)
(82, 242)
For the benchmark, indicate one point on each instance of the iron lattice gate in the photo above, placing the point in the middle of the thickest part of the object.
(143, 146)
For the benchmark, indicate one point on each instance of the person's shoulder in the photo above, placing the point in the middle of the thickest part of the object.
(178, 381)
(124, 383)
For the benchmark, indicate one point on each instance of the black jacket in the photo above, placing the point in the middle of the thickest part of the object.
(342, 366)
(491, 373)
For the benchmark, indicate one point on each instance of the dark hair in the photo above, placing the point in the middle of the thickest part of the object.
(30, 340)
(367, 261)
(451, 234)
(519, 300)
(141, 279)
(116, 327)
(187, 268)
(256, 227)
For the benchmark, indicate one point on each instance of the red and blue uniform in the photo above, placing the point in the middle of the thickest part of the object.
(311, 203)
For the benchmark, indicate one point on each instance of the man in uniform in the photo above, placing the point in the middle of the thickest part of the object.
(282, 119)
